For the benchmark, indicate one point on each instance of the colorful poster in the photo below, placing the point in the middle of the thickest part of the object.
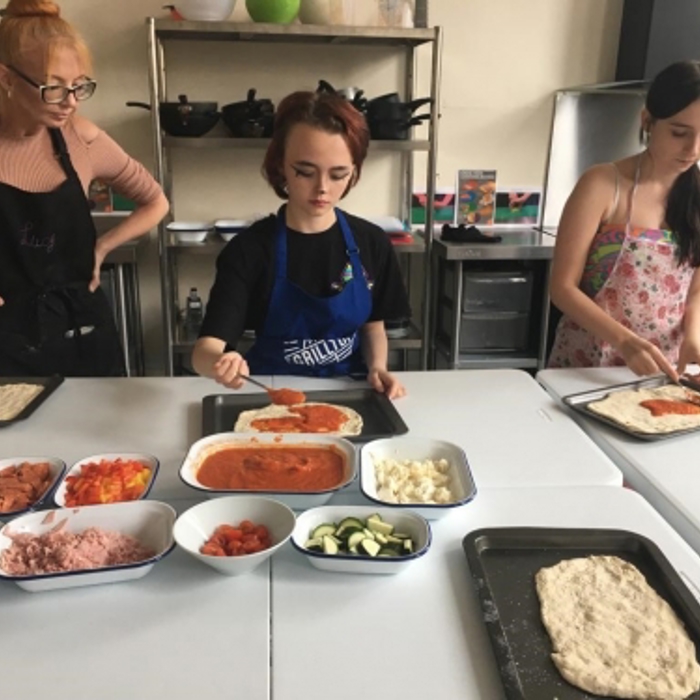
(443, 206)
(518, 206)
(476, 197)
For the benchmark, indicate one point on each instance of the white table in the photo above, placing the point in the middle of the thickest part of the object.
(420, 634)
(513, 433)
(159, 416)
(180, 633)
(666, 472)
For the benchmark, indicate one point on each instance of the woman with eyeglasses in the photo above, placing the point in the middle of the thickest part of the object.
(315, 282)
(54, 318)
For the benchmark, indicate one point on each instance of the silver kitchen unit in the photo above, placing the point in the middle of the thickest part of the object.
(491, 302)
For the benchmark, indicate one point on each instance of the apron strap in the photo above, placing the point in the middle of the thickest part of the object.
(350, 246)
(633, 192)
(60, 150)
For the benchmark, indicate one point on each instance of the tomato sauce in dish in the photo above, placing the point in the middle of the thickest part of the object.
(306, 419)
(286, 397)
(665, 407)
(274, 468)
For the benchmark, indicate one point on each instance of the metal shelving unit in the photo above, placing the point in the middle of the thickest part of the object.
(161, 31)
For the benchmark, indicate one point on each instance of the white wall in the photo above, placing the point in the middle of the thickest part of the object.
(502, 61)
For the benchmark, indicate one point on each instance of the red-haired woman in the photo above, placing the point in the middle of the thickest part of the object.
(314, 282)
(54, 319)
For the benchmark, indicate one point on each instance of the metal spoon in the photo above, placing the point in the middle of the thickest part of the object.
(245, 377)
(284, 397)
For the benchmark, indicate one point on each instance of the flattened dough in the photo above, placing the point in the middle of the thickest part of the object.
(623, 407)
(14, 398)
(612, 634)
(352, 425)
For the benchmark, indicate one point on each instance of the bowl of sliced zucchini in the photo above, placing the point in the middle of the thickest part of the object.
(361, 539)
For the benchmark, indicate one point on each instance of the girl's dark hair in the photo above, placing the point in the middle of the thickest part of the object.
(326, 111)
(671, 91)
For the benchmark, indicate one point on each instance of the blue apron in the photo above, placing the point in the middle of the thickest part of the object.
(309, 335)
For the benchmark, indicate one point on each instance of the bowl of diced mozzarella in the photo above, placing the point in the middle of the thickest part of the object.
(361, 539)
(431, 477)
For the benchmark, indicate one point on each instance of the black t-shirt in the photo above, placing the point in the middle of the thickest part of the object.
(245, 272)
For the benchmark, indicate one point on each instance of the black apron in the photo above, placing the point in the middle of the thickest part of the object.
(51, 323)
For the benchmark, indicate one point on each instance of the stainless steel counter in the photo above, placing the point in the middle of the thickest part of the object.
(516, 244)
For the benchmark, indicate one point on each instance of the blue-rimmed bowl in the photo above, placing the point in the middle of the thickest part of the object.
(411, 448)
(57, 468)
(150, 461)
(403, 521)
(297, 500)
(150, 522)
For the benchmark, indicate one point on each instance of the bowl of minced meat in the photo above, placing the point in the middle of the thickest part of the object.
(65, 548)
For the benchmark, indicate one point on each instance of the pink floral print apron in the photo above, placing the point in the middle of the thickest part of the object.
(633, 275)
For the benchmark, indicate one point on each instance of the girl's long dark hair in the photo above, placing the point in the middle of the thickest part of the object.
(672, 90)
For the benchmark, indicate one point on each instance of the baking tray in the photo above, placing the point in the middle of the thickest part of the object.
(379, 417)
(579, 403)
(50, 385)
(503, 563)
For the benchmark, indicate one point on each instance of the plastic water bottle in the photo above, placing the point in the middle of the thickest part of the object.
(194, 314)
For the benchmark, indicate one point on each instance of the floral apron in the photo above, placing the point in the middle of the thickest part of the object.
(633, 275)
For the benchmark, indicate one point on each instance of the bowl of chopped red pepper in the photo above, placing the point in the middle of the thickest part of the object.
(107, 478)
(234, 534)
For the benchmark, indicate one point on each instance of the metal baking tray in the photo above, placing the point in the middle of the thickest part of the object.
(579, 402)
(50, 385)
(379, 416)
(503, 563)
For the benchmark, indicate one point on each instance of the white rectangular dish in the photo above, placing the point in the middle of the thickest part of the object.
(190, 231)
(298, 500)
(57, 469)
(403, 520)
(420, 449)
(150, 461)
(150, 522)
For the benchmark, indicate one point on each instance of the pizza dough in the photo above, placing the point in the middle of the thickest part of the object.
(623, 407)
(14, 398)
(352, 425)
(612, 634)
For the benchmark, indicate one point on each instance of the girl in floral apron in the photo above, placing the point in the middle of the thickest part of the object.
(628, 246)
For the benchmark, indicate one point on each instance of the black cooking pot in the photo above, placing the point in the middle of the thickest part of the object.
(393, 129)
(184, 118)
(388, 107)
(354, 96)
(251, 118)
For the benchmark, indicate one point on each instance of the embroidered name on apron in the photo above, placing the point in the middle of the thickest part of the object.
(318, 352)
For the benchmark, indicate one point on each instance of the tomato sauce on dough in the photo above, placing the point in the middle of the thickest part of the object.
(306, 419)
(665, 407)
(282, 468)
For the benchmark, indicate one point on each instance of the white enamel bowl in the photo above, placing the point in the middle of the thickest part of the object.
(418, 448)
(298, 500)
(190, 231)
(150, 461)
(150, 522)
(57, 468)
(197, 524)
(402, 520)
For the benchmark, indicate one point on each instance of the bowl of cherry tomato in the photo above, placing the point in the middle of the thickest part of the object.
(234, 534)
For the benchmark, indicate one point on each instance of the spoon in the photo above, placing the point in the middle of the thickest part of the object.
(283, 397)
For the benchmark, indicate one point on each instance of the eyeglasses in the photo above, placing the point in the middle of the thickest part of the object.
(55, 94)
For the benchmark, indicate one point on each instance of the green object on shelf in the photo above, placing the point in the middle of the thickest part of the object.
(120, 203)
(275, 11)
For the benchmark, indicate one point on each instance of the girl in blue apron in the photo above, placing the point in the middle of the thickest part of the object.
(54, 318)
(314, 282)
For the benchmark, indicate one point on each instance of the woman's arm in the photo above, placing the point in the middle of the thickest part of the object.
(584, 211)
(690, 347)
(209, 359)
(375, 350)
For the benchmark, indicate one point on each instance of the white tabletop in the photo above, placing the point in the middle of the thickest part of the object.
(420, 634)
(181, 632)
(156, 415)
(513, 433)
(666, 471)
